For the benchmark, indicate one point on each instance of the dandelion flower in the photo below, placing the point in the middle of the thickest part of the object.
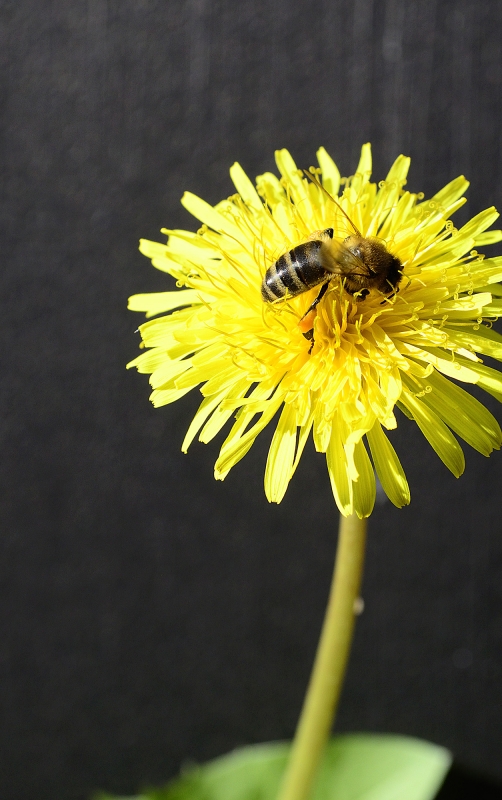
(368, 355)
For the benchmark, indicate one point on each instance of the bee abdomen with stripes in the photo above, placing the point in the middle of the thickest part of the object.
(297, 270)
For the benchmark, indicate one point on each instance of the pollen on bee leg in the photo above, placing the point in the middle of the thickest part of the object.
(307, 322)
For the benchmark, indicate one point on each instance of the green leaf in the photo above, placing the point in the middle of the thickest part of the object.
(355, 767)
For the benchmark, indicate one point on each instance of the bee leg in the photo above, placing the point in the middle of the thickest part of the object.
(310, 336)
(324, 289)
(306, 323)
(395, 290)
(390, 296)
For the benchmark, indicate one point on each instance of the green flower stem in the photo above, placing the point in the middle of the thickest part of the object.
(327, 676)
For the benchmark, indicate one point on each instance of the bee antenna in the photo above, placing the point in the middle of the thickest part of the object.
(313, 178)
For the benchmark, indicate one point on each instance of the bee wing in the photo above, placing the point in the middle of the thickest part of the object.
(338, 259)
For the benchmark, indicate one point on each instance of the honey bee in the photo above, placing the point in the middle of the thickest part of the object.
(363, 263)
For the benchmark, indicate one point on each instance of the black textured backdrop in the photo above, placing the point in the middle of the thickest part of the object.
(148, 614)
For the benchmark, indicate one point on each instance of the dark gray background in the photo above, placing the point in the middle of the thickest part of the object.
(148, 614)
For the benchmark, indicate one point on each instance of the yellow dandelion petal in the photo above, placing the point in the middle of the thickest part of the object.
(488, 378)
(458, 420)
(388, 467)
(476, 411)
(436, 432)
(159, 302)
(364, 489)
(330, 172)
(365, 161)
(162, 258)
(162, 397)
(206, 408)
(302, 440)
(451, 192)
(281, 456)
(338, 470)
(326, 303)
(480, 222)
(488, 237)
(245, 187)
(399, 171)
(222, 414)
(169, 371)
(208, 215)
(149, 361)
